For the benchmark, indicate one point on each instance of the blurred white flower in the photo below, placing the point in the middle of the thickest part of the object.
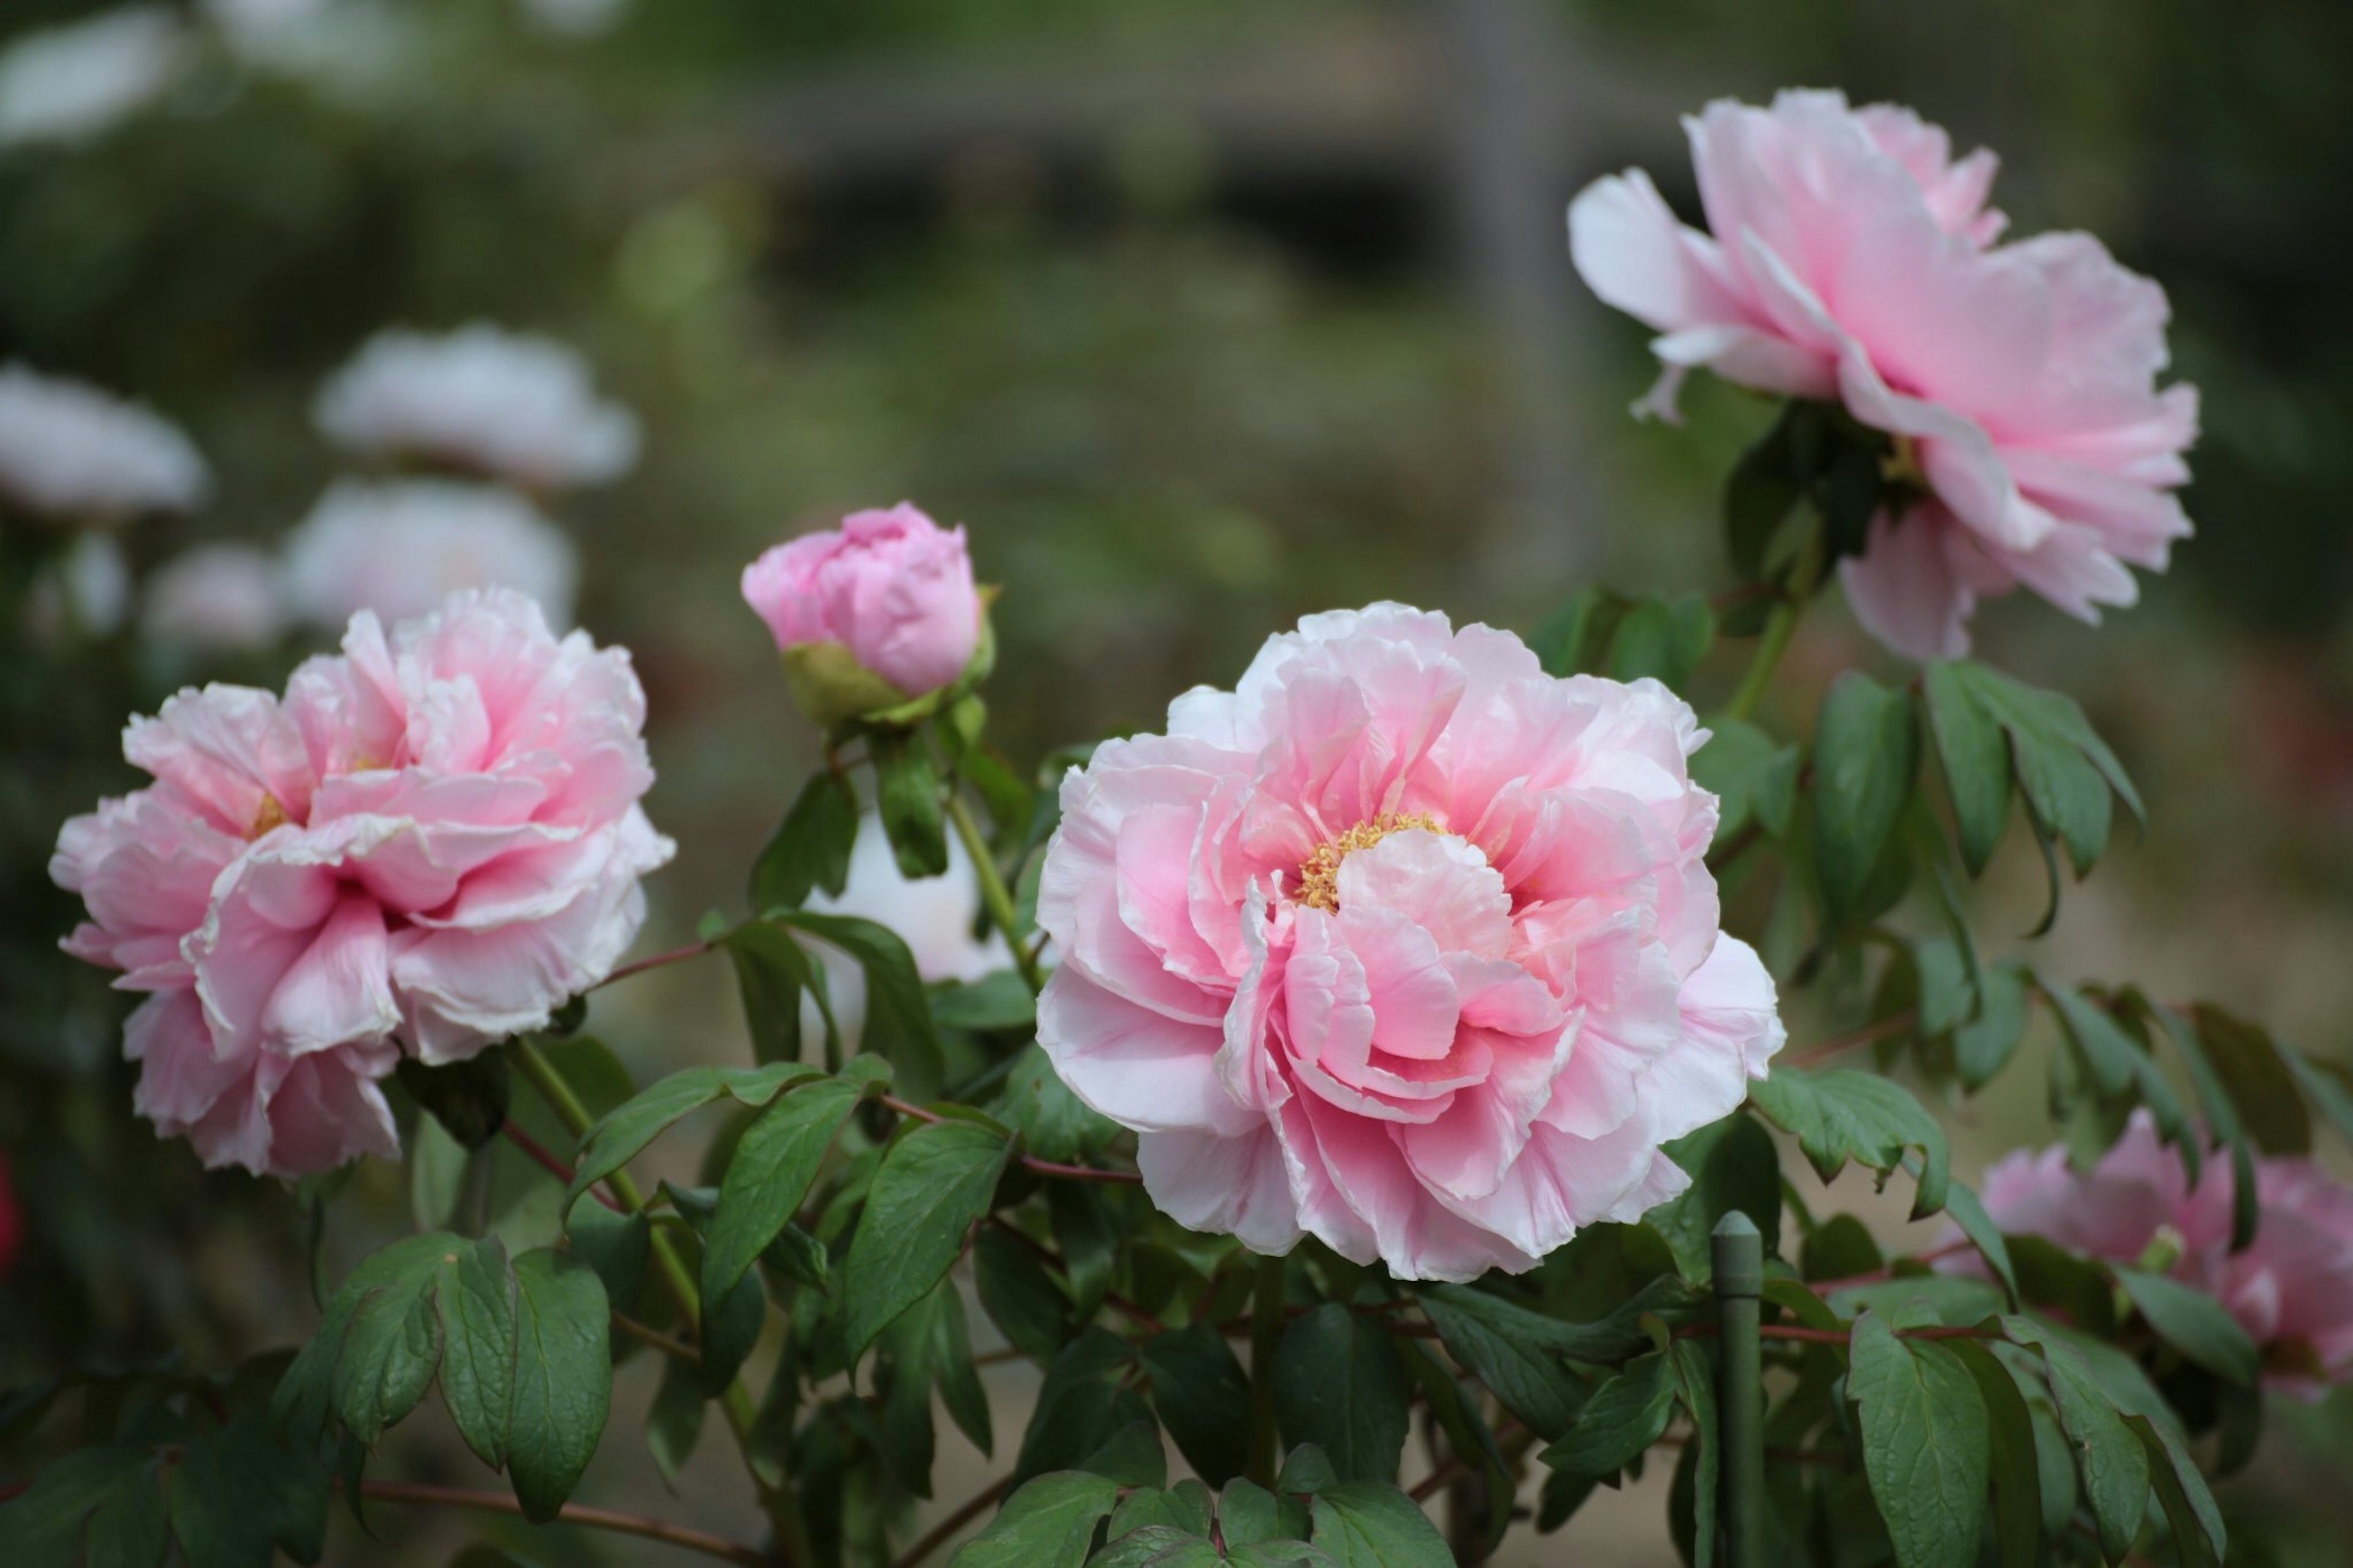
(83, 593)
(932, 916)
(72, 452)
(64, 84)
(349, 49)
(577, 18)
(504, 403)
(400, 547)
(216, 596)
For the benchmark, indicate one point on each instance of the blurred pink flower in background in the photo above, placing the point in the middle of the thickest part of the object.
(1849, 257)
(891, 593)
(2291, 1289)
(430, 843)
(216, 596)
(505, 404)
(71, 453)
(1402, 944)
(399, 547)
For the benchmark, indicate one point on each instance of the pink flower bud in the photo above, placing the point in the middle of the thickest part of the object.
(877, 614)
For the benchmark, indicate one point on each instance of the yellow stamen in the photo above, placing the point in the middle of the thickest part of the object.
(1319, 874)
(270, 816)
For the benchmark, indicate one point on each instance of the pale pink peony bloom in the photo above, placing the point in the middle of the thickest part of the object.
(893, 590)
(216, 596)
(508, 405)
(399, 547)
(2291, 1289)
(1849, 257)
(1402, 944)
(70, 453)
(430, 843)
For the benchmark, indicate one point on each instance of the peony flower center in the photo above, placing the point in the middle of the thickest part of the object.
(270, 817)
(1319, 874)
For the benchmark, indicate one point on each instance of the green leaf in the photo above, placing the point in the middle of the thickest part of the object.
(1626, 1415)
(2324, 1085)
(935, 1180)
(468, 1099)
(2260, 1084)
(1573, 639)
(1053, 1122)
(2194, 1323)
(1842, 1115)
(1739, 766)
(1764, 486)
(1019, 1296)
(1732, 1165)
(1968, 1211)
(2199, 1533)
(1866, 753)
(929, 1346)
(1507, 1349)
(1663, 640)
(391, 1343)
(1047, 1524)
(1338, 1384)
(46, 1527)
(614, 1244)
(437, 1164)
(772, 974)
(563, 1382)
(1132, 1456)
(1926, 1446)
(811, 849)
(730, 1330)
(624, 1132)
(898, 1011)
(1985, 1044)
(2017, 1487)
(475, 1292)
(238, 1493)
(1157, 1546)
(1184, 1508)
(1976, 759)
(2119, 1067)
(2108, 1455)
(1695, 1376)
(907, 798)
(1084, 1401)
(994, 1003)
(2222, 1122)
(1366, 1524)
(129, 1528)
(674, 1425)
(769, 1176)
(1202, 1397)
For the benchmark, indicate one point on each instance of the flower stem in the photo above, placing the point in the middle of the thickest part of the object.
(677, 1535)
(1779, 626)
(1266, 1333)
(743, 1417)
(993, 890)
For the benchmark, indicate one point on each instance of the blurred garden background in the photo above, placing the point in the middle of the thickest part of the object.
(1200, 315)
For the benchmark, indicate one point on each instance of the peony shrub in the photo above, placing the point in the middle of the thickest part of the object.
(1386, 1090)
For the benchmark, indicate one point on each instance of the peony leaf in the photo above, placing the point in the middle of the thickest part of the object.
(769, 1176)
(475, 1291)
(1840, 1116)
(1626, 1415)
(935, 1180)
(811, 849)
(1339, 1383)
(1368, 1524)
(1086, 1400)
(1506, 1348)
(2193, 1323)
(2109, 1457)
(622, 1133)
(907, 798)
(1866, 755)
(1663, 640)
(564, 1379)
(2015, 1460)
(1049, 1522)
(1926, 1447)
(1202, 1397)
(898, 1014)
(1019, 1296)
(1732, 1165)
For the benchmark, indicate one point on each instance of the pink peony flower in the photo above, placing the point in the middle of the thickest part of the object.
(1402, 944)
(879, 612)
(2291, 1289)
(428, 844)
(1851, 257)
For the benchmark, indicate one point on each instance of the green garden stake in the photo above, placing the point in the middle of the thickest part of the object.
(1739, 1258)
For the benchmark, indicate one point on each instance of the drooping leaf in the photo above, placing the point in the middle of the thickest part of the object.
(1695, 1385)
(1338, 1384)
(1841, 1115)
(622, 1134)
(2109, 1456)
(1053, 1122)
(2199, 1532)
(811, 849)
(1019, 1296)
(772, 974)
(2009, 1426)
(1507, 1349)
(1203, 1399)
(2261, 1085)
(992, 1004)
(1088, 1396)
(562, 1379)
(674, 1425)
(2120, 1068)
(935, 1180)
(907, 798)
(1732, 1165)
(1866, 756)
(2193, 1323)
(768, 1176)
(1741, 764)
(898, 1025)
(1663, 639)
(1628, 1413)
(475, 1292)
(1984, 1044)
(1926, 1445)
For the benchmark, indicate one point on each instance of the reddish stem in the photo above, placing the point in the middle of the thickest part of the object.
(549, 1160)
(1029, 1161)
(675, 956)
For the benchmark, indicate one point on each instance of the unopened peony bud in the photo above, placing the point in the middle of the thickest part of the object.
(874, 616)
